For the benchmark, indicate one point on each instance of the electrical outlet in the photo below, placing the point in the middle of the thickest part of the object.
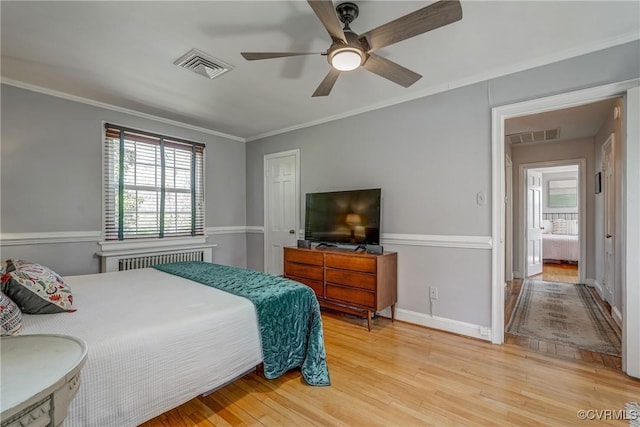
(433, 292)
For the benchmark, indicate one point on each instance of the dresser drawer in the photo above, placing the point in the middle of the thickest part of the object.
(304, 257)
(302, 270)
(351, 278)
(316, 285)
(365, 264)
(351, 296)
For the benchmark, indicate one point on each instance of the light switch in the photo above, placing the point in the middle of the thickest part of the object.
(481, 198)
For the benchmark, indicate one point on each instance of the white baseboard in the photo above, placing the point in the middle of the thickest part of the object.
(595, 284)
(615, 313)
(517, 275)
(617, 316)
(441, 323)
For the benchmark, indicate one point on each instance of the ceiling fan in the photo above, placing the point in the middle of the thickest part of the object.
(349, 50)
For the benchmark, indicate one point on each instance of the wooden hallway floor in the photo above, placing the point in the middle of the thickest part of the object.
(406, 375)
(560, 272)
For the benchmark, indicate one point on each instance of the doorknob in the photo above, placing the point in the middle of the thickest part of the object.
(609, 236)
(292, 232)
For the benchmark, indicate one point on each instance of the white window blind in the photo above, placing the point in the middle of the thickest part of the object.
(153, 185)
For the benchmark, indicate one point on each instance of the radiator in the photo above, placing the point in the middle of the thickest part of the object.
(133, 263)
(131, 259)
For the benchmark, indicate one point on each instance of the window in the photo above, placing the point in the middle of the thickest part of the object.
(153, 185)
(563, 193)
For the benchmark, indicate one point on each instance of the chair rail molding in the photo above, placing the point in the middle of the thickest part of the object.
(433, 240)
(234, 229)
(445, 241)
(38, 238)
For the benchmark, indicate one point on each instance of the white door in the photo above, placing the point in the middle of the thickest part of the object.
(534, 222)
(609, 193)
(281, 207)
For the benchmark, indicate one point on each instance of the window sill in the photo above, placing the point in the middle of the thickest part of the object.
(145, 245)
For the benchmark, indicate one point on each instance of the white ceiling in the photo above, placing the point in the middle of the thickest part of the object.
(122, 53)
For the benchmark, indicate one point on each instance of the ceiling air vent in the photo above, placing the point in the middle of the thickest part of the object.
(203, 64)
(534, 136)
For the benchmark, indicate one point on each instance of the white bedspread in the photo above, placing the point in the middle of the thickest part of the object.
(155, 341)
(560, 247)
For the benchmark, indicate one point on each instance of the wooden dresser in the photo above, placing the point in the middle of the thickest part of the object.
(355, 283)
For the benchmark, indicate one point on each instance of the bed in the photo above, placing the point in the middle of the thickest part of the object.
(560, 248)
(560, 241)
(155, 340)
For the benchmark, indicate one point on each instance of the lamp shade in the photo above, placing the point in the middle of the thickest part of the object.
(353, 219)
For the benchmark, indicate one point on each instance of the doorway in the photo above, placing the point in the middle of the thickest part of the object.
(631, 206)
(554, 216)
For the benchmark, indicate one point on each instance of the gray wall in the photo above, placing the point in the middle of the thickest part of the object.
(564, 150)
(51, 177)
(430, 156)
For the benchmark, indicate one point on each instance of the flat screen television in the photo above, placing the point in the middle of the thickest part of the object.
(347, 217)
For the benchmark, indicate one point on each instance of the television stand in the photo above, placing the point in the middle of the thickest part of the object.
(350, 282)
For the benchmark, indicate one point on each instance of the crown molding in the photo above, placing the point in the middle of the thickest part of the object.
(75, 98)
(492, 74)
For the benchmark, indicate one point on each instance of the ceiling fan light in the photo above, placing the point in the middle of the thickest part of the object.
(346, 59)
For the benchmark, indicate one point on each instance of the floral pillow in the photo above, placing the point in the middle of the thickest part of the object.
(36, 289)
(10, 316)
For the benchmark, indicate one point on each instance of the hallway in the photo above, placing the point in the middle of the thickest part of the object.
(551, 348)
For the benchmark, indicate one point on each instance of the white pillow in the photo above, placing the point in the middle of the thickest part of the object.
(546, 226)
(572, 226)
(559, 226)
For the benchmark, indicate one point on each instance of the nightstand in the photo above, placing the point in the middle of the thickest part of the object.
(40, 378)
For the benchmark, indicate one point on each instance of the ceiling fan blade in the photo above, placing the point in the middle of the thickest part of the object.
(252, 56)
(327, 83)
(428, 18)
(390, 70)
(326, 12)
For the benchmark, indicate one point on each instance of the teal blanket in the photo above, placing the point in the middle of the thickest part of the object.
(288, 316)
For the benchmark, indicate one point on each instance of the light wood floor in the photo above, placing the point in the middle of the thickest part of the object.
(406, 375)
(564, 273)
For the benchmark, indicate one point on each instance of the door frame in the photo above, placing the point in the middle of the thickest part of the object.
(631, 209)
(509, 218)
(267, 157)
(582, 208)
